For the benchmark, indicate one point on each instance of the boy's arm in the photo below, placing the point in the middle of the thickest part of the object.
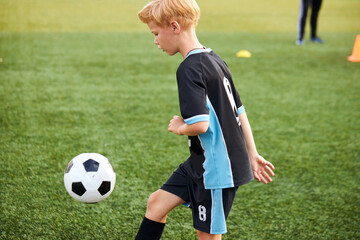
(258, 163)
(178, 126)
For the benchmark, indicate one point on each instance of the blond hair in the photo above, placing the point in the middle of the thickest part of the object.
(162, 12)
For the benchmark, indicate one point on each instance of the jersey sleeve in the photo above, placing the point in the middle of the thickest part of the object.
(192, 94)
(239, 105)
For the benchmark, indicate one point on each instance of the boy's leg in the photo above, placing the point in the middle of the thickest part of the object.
(208, 236)
(210, 210)
(160, 203)
(150, 230)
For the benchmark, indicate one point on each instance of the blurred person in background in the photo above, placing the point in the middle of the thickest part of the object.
(315, 8)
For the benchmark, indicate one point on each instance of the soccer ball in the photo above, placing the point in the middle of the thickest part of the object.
(89, 178)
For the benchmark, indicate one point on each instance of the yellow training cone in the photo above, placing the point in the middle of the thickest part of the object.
(243, 54)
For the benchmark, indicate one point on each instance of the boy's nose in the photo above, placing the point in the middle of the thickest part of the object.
(156, 42)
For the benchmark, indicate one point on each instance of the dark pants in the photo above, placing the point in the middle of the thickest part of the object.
(315, 8)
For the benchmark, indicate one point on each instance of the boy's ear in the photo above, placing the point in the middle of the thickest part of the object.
(176, 27)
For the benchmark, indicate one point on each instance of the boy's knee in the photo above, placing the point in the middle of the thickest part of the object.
(154, 202)
(155, 208)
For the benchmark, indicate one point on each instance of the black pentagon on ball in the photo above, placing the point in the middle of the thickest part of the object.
(78, 188)
(104, 187)
(91, 165)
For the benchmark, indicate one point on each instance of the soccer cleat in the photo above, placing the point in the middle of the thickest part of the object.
(316, 40)
(300, 42)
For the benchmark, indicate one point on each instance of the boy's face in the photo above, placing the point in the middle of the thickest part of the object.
(165, 38)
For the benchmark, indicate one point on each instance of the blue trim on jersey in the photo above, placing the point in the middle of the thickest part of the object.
(218, 224)
(241, 110)
(186, 204)
(218, 172)
(197, 118)
(195, 51)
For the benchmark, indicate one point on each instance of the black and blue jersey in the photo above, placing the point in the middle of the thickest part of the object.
(218, 158)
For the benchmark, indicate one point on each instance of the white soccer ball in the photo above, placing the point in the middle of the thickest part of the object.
(89, 178)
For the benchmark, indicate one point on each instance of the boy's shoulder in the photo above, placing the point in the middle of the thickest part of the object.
(207, 63)
(199, 58)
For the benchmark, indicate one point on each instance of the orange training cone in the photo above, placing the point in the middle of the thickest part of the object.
(355, 56)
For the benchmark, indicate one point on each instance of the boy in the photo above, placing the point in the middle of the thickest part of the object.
(223, 153)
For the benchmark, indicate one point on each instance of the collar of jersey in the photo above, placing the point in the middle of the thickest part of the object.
(196, 51)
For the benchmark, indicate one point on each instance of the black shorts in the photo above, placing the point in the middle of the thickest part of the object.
(210, 207)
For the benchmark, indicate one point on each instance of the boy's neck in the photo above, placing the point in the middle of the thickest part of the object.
(189, 42)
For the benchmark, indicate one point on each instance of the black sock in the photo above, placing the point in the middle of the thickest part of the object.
(150, 230)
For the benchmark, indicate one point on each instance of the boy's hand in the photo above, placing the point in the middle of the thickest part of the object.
(175, 125)
(262, 168)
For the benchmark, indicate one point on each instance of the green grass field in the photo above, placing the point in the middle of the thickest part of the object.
(85, 76)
